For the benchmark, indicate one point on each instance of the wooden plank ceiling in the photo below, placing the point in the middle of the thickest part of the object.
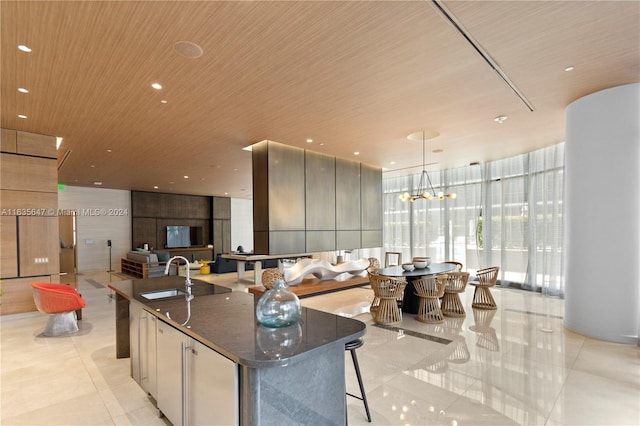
(352, 76)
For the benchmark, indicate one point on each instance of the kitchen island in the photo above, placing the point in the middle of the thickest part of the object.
(252, 374)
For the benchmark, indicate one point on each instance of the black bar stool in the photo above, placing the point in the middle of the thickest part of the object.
(352, 346)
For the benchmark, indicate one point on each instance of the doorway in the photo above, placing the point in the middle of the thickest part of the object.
(67, 231)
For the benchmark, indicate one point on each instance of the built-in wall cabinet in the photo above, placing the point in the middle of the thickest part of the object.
(152, 212)
(30, 249)
(305, 202)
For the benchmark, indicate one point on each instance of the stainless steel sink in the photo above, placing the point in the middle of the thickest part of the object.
(162, 294)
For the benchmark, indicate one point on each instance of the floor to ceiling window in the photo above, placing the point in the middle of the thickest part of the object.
(507, 213)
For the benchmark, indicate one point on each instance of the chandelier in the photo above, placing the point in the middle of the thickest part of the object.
(425, 188)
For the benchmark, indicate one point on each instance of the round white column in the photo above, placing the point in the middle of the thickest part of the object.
(602, 196)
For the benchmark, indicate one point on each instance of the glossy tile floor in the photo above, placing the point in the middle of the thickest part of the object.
(516, 365)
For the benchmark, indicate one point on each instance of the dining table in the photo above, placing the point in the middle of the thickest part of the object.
(410, 301)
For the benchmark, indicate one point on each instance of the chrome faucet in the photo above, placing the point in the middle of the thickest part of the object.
(187, 286)
(188, 282)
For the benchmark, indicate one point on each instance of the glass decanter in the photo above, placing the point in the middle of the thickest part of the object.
(278, 307)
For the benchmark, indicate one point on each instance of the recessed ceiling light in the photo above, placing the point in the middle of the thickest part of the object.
(109, 151)
(92, 166)
(309, 140)
(23, 90)
(235, 170)
(163, 101)
(356, 153)
(185, 176)
(321, 143)
(392, 162)
(98, 183)
(22, 116)
(24, 48)
(156, 86)
(569, 68)
(155, 187)
(226, 193)
(423, 135)
(188, 49)
(500, 119)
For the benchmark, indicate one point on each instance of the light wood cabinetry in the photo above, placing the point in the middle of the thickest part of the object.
(17, 294)
(45, 202)
(38, 245)
(23, 173)
(35, 144)
(9, 244)
(30, 248)
(8, 140)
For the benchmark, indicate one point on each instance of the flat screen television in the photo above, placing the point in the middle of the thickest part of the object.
(178, 236)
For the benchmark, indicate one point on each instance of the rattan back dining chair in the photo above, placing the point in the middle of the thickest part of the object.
(487, 278)
(429, 290)
(387, 291)
(451, 304)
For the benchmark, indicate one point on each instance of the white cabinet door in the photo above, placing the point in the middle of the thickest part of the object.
(210, 381)
(213, 388)
(169, 365)
(142, 335)
(148, 373)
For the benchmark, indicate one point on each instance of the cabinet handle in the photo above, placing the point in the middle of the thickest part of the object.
(185, 349)
(140, 318)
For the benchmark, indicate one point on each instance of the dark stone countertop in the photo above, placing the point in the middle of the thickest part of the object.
(226, 322)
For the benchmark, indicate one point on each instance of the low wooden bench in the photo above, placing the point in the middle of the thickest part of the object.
(314, 287)
(145, 269)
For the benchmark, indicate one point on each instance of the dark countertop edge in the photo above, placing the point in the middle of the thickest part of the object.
(233, 357)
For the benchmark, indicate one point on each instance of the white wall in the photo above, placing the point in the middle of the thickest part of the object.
(241, 224)
(102, 214)
(602, 196)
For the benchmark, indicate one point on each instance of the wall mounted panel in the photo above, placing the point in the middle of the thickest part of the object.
(9, 245)
(320, 241)
(329, 210)
(286, 188)
(144, 231)
(348, 240)
(46, 203)
(23, 173)
(38, 245)
(284, 242)
(222, 208)
(371, 193)
(8, 140)
(320, 189)
(348, 215)
(35, 144)
(18, 294)
(371, 239)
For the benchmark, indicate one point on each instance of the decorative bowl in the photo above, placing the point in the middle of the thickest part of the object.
(421, 262)
(407, 266)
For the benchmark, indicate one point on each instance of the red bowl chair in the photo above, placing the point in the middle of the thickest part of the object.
(60, 301)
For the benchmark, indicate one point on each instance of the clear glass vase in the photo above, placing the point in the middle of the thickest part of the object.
(278, 307)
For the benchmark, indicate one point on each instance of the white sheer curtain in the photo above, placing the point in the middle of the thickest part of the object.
(507, 213)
